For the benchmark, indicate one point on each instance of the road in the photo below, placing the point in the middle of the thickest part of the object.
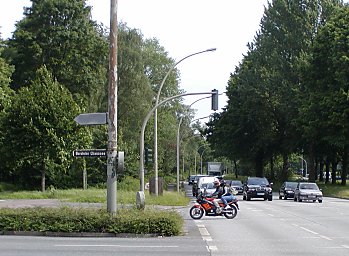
(279, 227)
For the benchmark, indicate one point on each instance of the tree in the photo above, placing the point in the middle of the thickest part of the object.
(6, 94)
(60, 35)
(40, 133)
(327, 83)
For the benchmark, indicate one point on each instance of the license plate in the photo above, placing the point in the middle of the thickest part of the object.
(311, 197)
(260, 194)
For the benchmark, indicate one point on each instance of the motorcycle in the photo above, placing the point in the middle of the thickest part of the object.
(205, 205)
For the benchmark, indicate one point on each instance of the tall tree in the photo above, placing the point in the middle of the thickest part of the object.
(327, 83)
(6, 94)
(60, 35)
(40, 134)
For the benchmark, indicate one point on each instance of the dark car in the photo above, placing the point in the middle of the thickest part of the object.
(191, 179)
(237, 184)
(287, 189)
(256, 187)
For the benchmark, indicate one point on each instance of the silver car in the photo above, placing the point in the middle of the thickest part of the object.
(307, 191)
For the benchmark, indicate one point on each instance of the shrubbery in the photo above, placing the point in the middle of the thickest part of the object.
(77, 220)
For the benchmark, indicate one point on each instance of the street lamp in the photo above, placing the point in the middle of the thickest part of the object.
(201, 160)
(156, 116)
(178, 130)
(140, 202)
(306, 166)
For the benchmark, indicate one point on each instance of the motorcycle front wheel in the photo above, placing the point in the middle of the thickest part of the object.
(231, 212)
(196, 212)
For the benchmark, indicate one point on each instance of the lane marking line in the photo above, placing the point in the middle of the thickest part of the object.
(310, 231)
(204, 232)
(116, 245)
(326, 237)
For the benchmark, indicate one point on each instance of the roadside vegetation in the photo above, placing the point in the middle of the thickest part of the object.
(90, 220)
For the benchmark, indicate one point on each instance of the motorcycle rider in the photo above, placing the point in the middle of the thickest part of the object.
(228, 196)
(218, 194)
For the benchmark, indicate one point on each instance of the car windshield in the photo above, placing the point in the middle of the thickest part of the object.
(291, 185)
(309, 186)
(258, 182)
(208, 185)
(236, 182)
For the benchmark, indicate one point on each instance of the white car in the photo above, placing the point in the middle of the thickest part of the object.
(207, 188)
(307, 191)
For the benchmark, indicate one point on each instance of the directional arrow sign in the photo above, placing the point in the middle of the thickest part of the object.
(91, 118)
(90, 152)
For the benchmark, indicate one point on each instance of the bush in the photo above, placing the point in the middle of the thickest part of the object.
(77, 220)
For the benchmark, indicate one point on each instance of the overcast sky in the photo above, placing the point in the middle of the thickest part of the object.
(182, 27)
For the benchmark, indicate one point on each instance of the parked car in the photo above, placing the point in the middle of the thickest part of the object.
(237, 184)
(256, 187)
(307, 191)
(287, 189)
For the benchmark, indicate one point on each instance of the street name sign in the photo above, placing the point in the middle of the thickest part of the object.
(90, 153)
(91, 118)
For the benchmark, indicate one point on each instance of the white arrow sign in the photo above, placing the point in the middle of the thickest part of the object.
(91, 118)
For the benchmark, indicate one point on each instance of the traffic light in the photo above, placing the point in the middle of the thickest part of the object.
(214, 97)
(148, 155)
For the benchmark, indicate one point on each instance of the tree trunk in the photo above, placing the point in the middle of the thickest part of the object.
(43, 177)
(334, 172)
(328, 161)
(236, 168)
(284, 167)
(311, 167)
(321, 170)
(259, 164)
(345, 166)
(272, 174)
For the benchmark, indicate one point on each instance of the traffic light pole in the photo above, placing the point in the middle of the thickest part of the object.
(140, 194)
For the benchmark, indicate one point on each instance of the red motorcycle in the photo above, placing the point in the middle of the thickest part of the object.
(205, 205)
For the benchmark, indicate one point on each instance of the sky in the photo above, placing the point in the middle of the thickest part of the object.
(182, 27)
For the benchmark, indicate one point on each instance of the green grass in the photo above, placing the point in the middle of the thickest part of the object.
(94, 195)
(335, 190)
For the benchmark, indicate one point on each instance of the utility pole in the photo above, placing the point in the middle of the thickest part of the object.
(112, 111)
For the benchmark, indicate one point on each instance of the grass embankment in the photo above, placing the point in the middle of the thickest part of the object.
(128, 219)
(335, 190)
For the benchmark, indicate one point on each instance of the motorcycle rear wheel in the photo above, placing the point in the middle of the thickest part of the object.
(196, 212)
(231, 212)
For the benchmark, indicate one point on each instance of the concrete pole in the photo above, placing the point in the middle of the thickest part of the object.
(112, 111)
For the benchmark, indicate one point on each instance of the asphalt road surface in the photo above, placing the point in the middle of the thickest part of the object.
(278, 227)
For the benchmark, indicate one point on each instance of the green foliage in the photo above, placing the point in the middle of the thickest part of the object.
(77, 220)
(269, 114)
(61, 36)
(40, 132)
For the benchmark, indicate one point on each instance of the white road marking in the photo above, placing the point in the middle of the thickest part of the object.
(116, 245)
(271, 215)
(308, 230)
(327, 238)
(213, 248)
(345, 246)
(204, 232)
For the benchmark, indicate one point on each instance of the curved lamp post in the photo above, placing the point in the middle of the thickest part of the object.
(306, 166)
(178, 130)
(156, 116)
